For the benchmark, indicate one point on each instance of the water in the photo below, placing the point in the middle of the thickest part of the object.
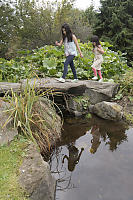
(94, 161)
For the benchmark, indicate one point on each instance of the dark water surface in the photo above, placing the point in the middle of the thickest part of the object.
(94, 161)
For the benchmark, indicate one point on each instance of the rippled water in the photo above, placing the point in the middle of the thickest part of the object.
(94, 161)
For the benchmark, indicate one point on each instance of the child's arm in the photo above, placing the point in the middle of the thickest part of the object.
(100, 49)
(59, 43)
(77, 45)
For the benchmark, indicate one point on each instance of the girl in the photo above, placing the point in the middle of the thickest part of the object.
(98, 59)
(70, 44)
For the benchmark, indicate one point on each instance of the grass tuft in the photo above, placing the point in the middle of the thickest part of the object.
(28, 117)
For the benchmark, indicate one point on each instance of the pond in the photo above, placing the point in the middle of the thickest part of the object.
(93, 160)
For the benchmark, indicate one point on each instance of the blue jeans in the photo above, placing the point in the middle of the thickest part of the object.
(69, 61)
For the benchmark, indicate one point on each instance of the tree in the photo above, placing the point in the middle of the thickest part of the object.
(62, 14)
(90, 15)
(8, 26)
(26, 24)
(36, 23)
(115, 24)
(80, 25)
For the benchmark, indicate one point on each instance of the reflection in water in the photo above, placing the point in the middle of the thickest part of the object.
(112, 133)
(90, 139)
(73, 157)
(112, 137)
(95, 139)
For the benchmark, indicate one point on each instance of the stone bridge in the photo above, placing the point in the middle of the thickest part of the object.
(96, 91)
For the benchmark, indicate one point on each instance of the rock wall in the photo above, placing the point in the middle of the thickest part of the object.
(35, 176)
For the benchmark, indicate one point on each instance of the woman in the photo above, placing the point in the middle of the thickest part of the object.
(70, 44)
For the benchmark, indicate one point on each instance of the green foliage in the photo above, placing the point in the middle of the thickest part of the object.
(115, 25)
(25, 25)
(49, 61)
(88, 116)
(82, 102)
(13, 71)
(8, 26)
(89, 16)
(126, 85)
(129, 117)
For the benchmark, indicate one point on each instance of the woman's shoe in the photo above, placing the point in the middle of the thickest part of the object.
(74, 80)
(62, 80)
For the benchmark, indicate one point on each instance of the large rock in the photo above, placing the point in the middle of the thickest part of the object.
(48, 124)
(6, 87)
(7, 130)
(35, 176)
(108, 110)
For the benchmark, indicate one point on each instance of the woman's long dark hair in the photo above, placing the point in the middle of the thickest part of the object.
(68, 32)
(96, 40)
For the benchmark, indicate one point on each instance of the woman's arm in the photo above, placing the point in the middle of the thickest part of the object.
(100, 49)
(77, 45)
(59, 43)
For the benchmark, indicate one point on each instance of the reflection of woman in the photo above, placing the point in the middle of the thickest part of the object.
(96, 139)
(73, 158)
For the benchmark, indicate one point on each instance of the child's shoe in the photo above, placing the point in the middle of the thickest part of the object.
(94, 78)
(100, 80)
(74, 80)
(62, 80)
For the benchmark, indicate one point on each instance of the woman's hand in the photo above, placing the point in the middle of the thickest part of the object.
(57, 43)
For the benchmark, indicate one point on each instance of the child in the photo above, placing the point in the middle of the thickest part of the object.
(70, 44)
(98, 59)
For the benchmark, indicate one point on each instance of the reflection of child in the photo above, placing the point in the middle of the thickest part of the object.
(96, 139)
(73, 158)
(98, 59)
